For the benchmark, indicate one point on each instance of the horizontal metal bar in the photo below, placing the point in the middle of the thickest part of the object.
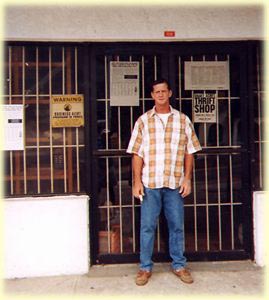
(54, 146)
(111, 153)
(178, 99)
(221, 151)
(205, 151)
(164, 257)
(186, 205)
(103, 99)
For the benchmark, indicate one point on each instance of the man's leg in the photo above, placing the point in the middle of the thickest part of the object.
(174, 212)
(150, 211)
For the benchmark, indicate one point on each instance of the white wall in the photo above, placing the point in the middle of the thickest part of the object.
(259, 228)
(138, 23)
(46, 236)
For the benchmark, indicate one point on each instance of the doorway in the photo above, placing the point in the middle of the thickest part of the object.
(218, 212)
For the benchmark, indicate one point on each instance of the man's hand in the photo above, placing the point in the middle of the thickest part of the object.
(138, 190)
(185, 188)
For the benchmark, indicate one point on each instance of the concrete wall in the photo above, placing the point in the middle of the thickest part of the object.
(138, 23)
(46, 236)
(259, 228)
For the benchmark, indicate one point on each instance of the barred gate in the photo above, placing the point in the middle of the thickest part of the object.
(218, 212)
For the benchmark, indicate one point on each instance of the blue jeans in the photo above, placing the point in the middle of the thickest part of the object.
(151, 206)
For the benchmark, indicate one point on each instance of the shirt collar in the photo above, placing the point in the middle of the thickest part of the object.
(153, 111)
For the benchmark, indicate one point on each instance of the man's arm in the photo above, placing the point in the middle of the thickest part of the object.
(138, 188)
(185, 188)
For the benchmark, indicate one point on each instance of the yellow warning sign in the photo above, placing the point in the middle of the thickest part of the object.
(67, 110)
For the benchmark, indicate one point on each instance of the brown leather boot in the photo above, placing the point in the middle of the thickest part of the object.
(184, 275)
(142, 277)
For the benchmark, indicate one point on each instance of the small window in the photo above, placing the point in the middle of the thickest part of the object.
(53, 158)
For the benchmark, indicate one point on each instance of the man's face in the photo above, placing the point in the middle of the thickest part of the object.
(161, 94)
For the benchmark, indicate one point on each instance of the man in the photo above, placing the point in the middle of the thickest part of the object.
(162, 143)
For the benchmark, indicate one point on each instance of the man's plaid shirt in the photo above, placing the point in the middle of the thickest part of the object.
(163, 148)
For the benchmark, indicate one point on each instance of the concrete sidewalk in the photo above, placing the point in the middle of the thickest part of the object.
(210, 278)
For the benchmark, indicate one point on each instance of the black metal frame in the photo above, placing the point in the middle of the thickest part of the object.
(245, 49)
(167, 51)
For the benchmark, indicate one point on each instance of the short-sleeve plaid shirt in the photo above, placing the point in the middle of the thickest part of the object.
(163, 147)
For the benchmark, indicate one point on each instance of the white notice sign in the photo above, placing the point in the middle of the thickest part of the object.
(124, 83)
(204, 108)
(13, 120)
(206, 75)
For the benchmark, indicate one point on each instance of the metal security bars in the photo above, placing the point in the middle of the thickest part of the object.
(119, 211)
(215, 213)
(259, 117)
(52, 159)
(215, 204)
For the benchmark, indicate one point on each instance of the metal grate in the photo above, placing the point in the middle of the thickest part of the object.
(52, 158)
(259, 105)
(213, 220)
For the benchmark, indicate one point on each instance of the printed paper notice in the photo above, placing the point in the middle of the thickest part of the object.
(206, 75)
(204, 108)
(12, 120)
(124, 83)
(67, 110)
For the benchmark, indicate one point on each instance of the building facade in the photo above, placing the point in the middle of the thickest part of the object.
(68, 189)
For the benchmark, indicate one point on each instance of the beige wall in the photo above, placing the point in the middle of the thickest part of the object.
(139, 23)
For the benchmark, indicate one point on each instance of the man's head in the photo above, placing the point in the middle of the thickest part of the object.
(158, 81)
(161, 93)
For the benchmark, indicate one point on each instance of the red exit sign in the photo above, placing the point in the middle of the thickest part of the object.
(169, 33)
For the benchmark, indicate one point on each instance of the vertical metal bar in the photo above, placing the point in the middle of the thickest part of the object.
(191, 59)
(143, 83)
(195, 198)
(230, 162)
(131, 107)
(231, 195)
(107, 159)
(219, 204)
(206, 186)
(119, 127)
(195, 205)
(76, 70)
(24, 127)
(179, 83)
(217, 111)
(205, 133)
(207, 211)
(229, 109)
(158, 225)
(107, 203)
(10, 101)
(51, 146)
(106, 101)
(119, 120)
(133, 200)
(64, 129)
(133, 219)
(120, 204)
(259, 120)
(37, 121)
(77, 129)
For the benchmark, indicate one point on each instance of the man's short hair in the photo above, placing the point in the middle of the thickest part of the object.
(159, 81)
